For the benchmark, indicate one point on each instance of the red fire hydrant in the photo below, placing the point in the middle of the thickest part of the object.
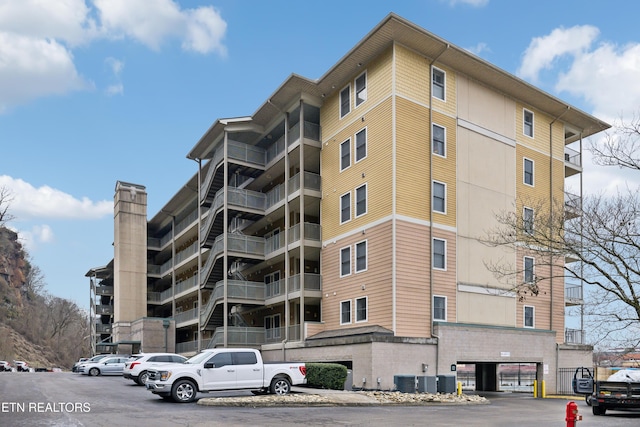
(572, 414)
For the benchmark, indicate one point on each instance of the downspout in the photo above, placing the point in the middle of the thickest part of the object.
(200, 326)
(430, 243)
(551, 216)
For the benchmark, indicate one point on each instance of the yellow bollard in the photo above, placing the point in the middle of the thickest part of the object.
(535, 388)
(544, 393)
(459, 388)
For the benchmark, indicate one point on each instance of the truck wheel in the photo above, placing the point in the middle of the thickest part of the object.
(280, 386)
(93, 372)
(183, 391)
(142, 378)
(587, 398)
(598, 410)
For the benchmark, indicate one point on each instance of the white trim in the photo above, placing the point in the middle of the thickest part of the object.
(366, 309)
(444, 184)
(340, 260)
(533, 121)
(355, 200)
(486, 290)
(340, 206)
(524, 316)
(533, 172)
(433, 252)
(348, 86)
(366, 256)
(348, 143)
(355, 89)
(444, 143)
(355, 145)
(433, 305)
(486, 132)
(350, 312)
(444, 84)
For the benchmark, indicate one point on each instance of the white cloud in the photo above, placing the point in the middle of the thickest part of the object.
(32, 68)
(68, 21)
(543, 51)
(46, 202)
(37, 38)
(116, 67)
(479, 48)
(151, 22)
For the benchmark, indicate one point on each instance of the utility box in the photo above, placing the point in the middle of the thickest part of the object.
(427, 384)
(405, 383)
(348, 384)
(446, 383)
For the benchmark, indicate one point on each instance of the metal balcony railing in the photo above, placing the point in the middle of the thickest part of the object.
(573, 292)
(104, 309)
(186, 316)
(104, 290)
(312, 181)
(238, 336)
(311, 232)
(573, 157)
(574, 336)
(186, 347)
(238, 289)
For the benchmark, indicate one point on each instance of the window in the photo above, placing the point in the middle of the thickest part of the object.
(345, 154)
(361, 256)
(529, 275)
(361, 309)
(528, 171)
(272, 327)
(345, 312)
(345, 101)
(345, 208)
(439, 193)
(361, 145)
(437, 134)
(220, 360)
(439, 254)
(527, 220)
(527, 119)
(438, 83)
(361, 200)
(345, 261)
(272, 284)
(529, 316)
(361, 88)
(439, 308)
(244, 358)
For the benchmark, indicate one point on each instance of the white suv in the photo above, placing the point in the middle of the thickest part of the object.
(136, 367)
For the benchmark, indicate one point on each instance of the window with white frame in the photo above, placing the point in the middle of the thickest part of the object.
(361, 309)
(438, 137)
(440, 308)
(361, 88)
(529, 273)
(528, 171)
(272, 284)
(361, 256)
(527, 120)
(272, 326)
(345, 261)
(361, 145)
(438, 80)
(345, 101)
(439, 254)
(345, 154)
(529, 316)
(439, 190)
(361, 200)
(345, 208)
(345, 312)
(527, 220)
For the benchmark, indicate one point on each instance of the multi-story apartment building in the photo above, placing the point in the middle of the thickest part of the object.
(343, 221)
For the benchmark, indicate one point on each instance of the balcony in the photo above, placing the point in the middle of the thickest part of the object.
(104, 290)
(180, 257)
(186, 316)
(312, 181)
(104, 309)
(237, 290)
(572, 205)
(311, 132)
(573, 295)
(312, 283)
(311, 232)
(186, 347)
(102, 328)
(238, 336)
(574, 336)
(572, 162)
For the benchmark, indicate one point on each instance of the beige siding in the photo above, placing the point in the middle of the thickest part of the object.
(412, 76)
(376, 280)
(486, 309)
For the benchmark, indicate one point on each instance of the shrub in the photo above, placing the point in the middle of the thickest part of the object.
(326, 375)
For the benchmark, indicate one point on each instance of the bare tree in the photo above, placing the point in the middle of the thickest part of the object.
(600, 234)
(6, 198)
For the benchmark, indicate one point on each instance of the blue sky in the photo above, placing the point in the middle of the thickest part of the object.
(95, 91)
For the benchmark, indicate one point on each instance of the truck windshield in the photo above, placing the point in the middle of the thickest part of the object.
(198, 358)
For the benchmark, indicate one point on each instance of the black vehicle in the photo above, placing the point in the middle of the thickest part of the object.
(619, 391)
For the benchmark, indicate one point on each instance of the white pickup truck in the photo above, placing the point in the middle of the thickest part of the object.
(224, 369)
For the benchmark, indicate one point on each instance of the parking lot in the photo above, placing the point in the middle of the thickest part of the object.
(66, 399)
